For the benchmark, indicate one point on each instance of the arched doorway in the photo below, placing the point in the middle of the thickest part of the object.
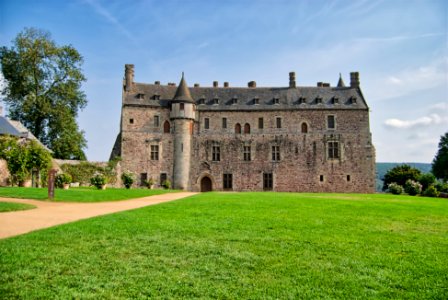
(206, 184)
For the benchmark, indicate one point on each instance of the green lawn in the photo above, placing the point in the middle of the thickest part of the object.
(83, 194)
(240, 246)
(9, 206)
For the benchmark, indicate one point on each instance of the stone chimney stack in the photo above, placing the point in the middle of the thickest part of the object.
(215, 84)
(128, 76)
(292, 79)
(252, 84)
(196, 85)
(354, 79)
(226, 84)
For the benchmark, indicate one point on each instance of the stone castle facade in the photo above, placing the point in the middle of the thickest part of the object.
(301, 139)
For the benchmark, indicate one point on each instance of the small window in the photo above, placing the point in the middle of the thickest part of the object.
(348, 178)
(224, 123)
(206, 123)
(304, 128)
(331, 122)
(321, 178)
(335, 100)
(227, 181)
(256, 101)
(201, 101)
(131, 121)
(267, 181)
(246, 128)
(163, 178)
(181, 106)
(238, 128)
(275, 153)
(353, 100)
(143, 178)
(154, 152)
(319, 100)
(276, 101)
(333, 150)
(278, 122)
(156, 121)
(302, 100)
(166, 127)
(246, 153)
(215, 101)
(216, 153)
(140, 96)
(260, 123)
(234, 100)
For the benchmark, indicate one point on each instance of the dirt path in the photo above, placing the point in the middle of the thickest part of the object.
(49, 214)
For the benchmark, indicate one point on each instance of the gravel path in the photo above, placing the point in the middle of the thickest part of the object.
(49, 214)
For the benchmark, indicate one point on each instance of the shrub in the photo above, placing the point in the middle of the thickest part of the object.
(400, 174)
(149, 183)
(62, 179)
(395, 189)
(431, 191)
(166, 184)
(98, 180)
(128, 179)
(426, 180)
(412, 188)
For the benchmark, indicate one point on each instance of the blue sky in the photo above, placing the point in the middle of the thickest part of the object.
(400, 49)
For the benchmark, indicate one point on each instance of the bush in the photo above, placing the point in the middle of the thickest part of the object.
(400, 174)
(128, 179)
(149, 183)
(62, 179)
(441, 187)
(412, 188)
(395, 189)
(426, 180)
(166, 184)
(98, 180)
(431, 191)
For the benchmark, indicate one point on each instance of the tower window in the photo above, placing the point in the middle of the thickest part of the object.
(278, 122)
(333, 150)
(216, 153)
(331, 124)
(227, 183)
(131, 121)
(156, 121)
(246, 153)
(206, 123)
(304, 128)
(224, 123)
(260, 123)
(154, 152)
(267, 181)
(181, 106)
(275, 153)
(166, 127)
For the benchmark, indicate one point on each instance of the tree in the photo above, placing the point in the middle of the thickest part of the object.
(400, 174)
(440, 162)
(43, 90)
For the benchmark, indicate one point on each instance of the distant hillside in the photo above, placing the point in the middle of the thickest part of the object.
(382, 168)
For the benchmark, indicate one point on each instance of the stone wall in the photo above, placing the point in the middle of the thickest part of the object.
(4, 173)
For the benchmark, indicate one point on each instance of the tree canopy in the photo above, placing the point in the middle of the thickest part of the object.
(400, 174)
(43, 90)
(440, 162)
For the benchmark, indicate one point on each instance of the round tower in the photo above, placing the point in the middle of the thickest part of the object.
(182, 115)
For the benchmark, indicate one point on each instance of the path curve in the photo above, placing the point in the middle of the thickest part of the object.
(48, 214)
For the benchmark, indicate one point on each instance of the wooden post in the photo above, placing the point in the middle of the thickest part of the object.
(51, 178)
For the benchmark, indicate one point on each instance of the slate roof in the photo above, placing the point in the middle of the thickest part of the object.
(15, 128)
(269, 98)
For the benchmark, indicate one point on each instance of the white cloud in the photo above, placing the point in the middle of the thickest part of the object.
(432, 119)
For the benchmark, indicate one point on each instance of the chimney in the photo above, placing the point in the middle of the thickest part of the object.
(215, 83)
(292, 79)
(252, 84)
(320, 84)
(226, 84)
(157, 82)
(129, 76)
(326, 84)
(354, 79)
(196, 85)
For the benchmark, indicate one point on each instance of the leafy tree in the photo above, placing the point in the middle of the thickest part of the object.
(43, 90)
(400, 174)
(440, 162)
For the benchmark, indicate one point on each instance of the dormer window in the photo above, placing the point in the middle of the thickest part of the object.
(140, 96)
(156, 97)
(256, 100)
(302, 100)
(216, 100)
(352, 100)
(201, 100)
(318, 100)
(335, 100)
(276, 100)
(234, 100)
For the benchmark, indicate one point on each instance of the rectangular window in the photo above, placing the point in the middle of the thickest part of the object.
(131, 121)
(224, 123)
(156, 121)
(216, 153)
(330, 122)
(163, 178)
(275, 153)
(279, 122)
(348, 178)
(260, 123)
(143, 178)
(321, 178)
(333, 150)
(267, 181)
(227, 181)
(154, 152)
(182, 106)
(246, 153)
(206, 123)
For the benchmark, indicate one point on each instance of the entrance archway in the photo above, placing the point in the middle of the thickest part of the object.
(206, 184)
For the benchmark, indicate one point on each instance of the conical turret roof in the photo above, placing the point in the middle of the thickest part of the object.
(183, 92)
(341, 82)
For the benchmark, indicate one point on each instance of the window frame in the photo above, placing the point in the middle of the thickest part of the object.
(154, 152)
(275, 151)
(278, 122)
(333, 150)
(331, 120)
(206, 123)
(268, 181)
(216, 152)
(247, 153)
(227, 181)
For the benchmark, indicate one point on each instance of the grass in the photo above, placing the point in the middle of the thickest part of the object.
(9, 206)
(240, 246)
(82, 194)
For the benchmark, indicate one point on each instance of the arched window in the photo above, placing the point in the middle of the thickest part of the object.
(238, 128)
(166, 127)
(304, 128)
(246, 128)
